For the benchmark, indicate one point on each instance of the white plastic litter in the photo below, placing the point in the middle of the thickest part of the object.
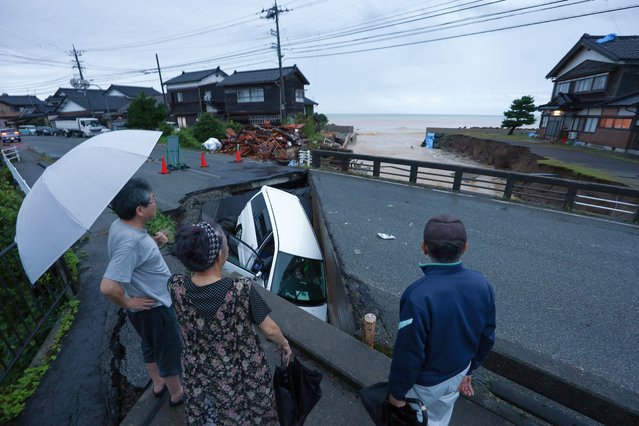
(384, 236)
(212, 144)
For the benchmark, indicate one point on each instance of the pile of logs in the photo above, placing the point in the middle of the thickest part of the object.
(263, 142)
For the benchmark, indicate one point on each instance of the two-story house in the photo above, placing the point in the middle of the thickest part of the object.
(254, 96)
(16, 110)
(72, 103)
(192, 93)
(596, 93)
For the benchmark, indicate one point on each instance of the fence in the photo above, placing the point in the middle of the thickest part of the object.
(584, 197)
(26, 310)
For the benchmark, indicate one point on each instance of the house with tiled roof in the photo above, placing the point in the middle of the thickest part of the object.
(192, 93)
(595, 97)
(132, 92)
(254, 96)
(71, 103)
(16, 110)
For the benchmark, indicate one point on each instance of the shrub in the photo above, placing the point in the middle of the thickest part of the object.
(161, 222)
(13, 398)
(187, 140)
(207, 127)
(166, 129)
(10, 201)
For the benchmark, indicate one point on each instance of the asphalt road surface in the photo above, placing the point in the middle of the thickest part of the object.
(565, 285)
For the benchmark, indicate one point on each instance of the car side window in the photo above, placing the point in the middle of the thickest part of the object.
(261, 218)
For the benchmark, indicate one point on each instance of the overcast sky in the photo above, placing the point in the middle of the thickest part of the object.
(463, 73)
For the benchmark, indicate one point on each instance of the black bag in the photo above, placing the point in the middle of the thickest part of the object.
(375, 400)
(297, 391)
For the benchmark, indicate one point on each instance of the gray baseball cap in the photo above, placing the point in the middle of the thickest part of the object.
(445, 228)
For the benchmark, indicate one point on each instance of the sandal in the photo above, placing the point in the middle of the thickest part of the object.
(161, 393)
(176, 403)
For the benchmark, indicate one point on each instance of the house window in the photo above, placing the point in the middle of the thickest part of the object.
(544, 121)
(616, 123)
(591, 125)
(207, 96)
(179, 97)
(181, 122)
(299, 96)
(562, 87)
(583, 84)
(250, 95)
(599, 83)
(575, 124)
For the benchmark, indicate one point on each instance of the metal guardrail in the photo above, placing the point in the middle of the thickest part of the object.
(9, 154)
(25, 310)
(570, 195)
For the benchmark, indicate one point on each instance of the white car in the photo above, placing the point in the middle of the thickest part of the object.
(276, 247)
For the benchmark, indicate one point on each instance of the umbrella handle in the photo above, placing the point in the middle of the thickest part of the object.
(282, 358)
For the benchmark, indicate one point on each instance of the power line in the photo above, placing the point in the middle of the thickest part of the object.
(546, 21)
(448, 25)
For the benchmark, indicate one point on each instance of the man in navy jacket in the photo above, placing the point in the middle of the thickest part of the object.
(446, 325)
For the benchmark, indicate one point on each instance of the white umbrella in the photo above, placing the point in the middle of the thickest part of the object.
(72, 193)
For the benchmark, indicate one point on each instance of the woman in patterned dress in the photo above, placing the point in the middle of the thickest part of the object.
(226, 375)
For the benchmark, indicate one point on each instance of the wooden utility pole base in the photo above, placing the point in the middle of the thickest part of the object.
(369, 329)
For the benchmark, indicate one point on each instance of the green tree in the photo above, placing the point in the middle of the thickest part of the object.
(145, 113)
(520, 113)
(208, 126)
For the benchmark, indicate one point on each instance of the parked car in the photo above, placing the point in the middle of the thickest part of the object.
(275, 246)
(27, 130)
(47, 131)
(10, 135)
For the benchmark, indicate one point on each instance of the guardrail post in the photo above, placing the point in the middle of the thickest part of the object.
(377, 165)
(345, 163)
(570, 198)
(413, 174)
(317, 159)
(508, 189)
(458, 180)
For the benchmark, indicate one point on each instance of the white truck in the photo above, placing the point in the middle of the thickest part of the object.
(82, 127)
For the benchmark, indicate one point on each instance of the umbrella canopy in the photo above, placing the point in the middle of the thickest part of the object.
(72, 193)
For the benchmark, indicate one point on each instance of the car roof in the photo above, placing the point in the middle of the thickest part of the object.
(295, 233)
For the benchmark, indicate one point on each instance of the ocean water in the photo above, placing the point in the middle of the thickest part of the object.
(400, 135)
(409, 123)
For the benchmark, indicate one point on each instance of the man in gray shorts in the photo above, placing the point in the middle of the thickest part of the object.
(136, 279)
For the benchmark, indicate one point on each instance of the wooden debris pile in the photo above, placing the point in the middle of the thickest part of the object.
(264, 142)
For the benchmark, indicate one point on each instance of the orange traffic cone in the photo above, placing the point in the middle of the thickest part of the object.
(164, 168)
(238, 155)
(203, 161)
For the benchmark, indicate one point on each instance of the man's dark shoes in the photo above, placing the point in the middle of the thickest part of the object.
(161, 393)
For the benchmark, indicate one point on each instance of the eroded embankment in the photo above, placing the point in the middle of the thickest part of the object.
(503, 156)
(519, 159)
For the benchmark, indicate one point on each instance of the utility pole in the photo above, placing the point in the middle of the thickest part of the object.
(168, 111)
(274, 13)
(77, 61)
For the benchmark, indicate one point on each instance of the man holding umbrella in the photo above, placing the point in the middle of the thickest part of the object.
(136, 279)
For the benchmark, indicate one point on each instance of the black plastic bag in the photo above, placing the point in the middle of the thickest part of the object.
(297, 391)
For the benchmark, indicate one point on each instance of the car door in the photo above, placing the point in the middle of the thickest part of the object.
(244, 261)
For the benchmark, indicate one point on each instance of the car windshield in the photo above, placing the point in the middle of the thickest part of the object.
(299, 280)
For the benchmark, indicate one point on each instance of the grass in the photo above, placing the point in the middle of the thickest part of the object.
(499, 136)
(580, 170)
